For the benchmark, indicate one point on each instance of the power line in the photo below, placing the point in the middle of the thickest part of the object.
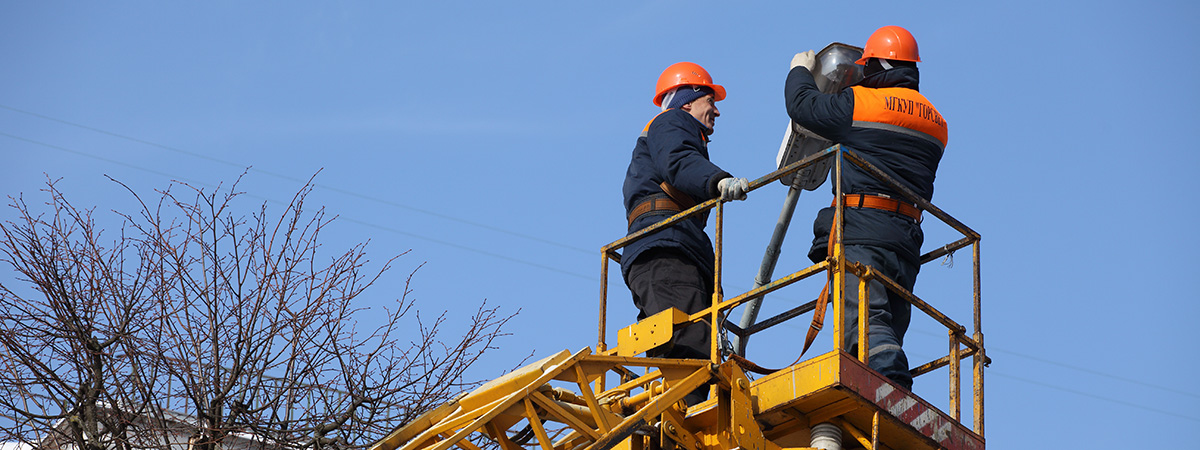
(991, 350)
(512, 233)
(295, 179)
(1099, 373)
(990, 372)
(347, 219)
(471, 249)
(1089, 394)
(101, 158)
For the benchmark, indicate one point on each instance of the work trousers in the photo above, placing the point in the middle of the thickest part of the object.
(663, 278)
(888, 314)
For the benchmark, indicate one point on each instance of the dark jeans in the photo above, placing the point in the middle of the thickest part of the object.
(888, 313)
(662, 278)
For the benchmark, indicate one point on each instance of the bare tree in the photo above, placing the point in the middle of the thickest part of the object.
(242, 322)
(61, 380)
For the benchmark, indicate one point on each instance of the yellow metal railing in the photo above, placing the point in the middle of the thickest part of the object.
(961, 346)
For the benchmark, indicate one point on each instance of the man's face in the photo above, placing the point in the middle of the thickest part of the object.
(704, 109)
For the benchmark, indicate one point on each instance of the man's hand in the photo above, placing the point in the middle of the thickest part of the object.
(807, 59)
(733, 188)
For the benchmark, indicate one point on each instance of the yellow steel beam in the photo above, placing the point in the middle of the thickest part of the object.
(875, 431)
(602, 346)
(536, 423)
(566, 417)
(652, 409)
(864, 343)
(714, 318)
(980, 359)
(500, 436)
(473, 420)
(600, 415)
(857, 434)
(955, 377)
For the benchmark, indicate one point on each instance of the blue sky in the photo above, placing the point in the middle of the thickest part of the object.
(491, 140)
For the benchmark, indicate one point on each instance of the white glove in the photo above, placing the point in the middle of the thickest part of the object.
(733, 188)
(807, 59)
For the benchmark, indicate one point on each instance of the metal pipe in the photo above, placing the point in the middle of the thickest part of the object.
(864, 341)
(767, 268)
(875, 431)
(582, 413)
(981, 358)
(979, 361)
(946, 249)
(782, 317)
(641, 397)
(600, 344)
(708, 204)
(839, 255)
(940, 363)
(775, 285)
(955, 377)
(945, 320)
(857, 434)
(715, 316)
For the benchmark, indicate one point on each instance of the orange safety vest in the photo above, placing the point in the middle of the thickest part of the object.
(901, 110)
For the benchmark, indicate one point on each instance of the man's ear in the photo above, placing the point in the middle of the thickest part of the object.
(686, 107)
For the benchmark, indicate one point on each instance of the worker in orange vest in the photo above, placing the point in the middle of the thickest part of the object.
(885, 119)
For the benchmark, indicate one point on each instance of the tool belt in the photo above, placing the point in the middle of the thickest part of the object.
(882, 202)
(671, 201)
(655, 203)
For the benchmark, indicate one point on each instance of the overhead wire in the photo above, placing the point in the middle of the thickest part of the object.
(1099, 373)
(299, 180)
(993, 350)
(344, 218)
(504, 231)
(1091, 395)
(101, 158)
(994, 372)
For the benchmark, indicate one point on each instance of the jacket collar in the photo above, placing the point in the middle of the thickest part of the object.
(903, 77)
(704, 130)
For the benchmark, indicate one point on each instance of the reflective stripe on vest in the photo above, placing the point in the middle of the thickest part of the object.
(900, 110)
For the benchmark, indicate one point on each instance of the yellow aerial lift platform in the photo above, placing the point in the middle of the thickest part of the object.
(613, 398)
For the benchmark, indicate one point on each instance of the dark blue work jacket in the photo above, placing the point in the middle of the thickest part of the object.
(673, 148)
(885, 120)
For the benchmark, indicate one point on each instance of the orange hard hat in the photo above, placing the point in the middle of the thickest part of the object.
(685, 74)
(890, 42)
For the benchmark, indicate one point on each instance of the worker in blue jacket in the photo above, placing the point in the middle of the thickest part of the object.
(891, 125)
(670, 172)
